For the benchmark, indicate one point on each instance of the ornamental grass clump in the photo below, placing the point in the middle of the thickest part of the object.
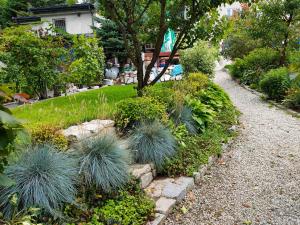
(104, 163)
(44, 178)
(152, 142)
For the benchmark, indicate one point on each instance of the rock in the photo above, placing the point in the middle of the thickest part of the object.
(176, 191)
(159, 219)
(202, 170)
(154, 190)
(187, 182)
(76, 133)
(197, 177)
(164, 205)
(233, 128)
(146, 179)
(138, 170)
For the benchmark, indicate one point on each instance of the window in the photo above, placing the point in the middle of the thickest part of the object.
(60, 24)
(229, 12)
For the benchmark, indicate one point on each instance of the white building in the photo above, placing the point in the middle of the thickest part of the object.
(74, 19)
(229, 9)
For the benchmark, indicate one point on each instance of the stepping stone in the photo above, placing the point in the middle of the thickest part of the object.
(164, 205)
(159, 219)
(175, 191)
(154, 190)
(146, 179)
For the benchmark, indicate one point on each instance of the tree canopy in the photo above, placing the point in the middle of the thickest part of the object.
(147, 21)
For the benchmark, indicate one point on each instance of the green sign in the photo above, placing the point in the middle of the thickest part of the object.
(169, 41)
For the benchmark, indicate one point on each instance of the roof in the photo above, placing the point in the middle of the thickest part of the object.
(62, 8)
(27, 19)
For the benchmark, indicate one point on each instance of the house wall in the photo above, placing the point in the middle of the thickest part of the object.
(228, 9)
(75, 23)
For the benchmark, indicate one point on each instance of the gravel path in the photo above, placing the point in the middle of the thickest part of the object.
(258, 180)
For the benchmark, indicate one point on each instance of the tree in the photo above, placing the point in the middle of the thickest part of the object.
(111, 39)
(276, 24)
(88, 66)
(44, 3)
(147, 21)
(31, 60)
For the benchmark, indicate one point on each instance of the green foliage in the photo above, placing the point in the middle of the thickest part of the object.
(276, 83)
(152, 142)
(126, 210)
(185, 117)
(202, 113)
(43, 177)
(104, 163)
(51, 135)
(200, 58)
(251, 67)
(88, 66)
(76, 108)
(292, 98)
(193, 152)
(111, 39)
(31, 60)
(135, 110)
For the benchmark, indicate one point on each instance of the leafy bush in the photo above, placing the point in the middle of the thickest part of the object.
(202, 114)
(276, 83)
(88, 66)
(215, 97)
(51, 135)
(104, 163)
(135, 110)
(292, 98)
(251, 67)
(126, 210)
(43, 177)
(151, 142)
(200, 58)
(194, 152)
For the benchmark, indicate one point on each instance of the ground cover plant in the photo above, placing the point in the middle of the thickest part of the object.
(65, 111)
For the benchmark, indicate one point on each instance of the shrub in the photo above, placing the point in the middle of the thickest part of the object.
(135, 110)
(126, 210)
(160, 93)
(192, 83)
(194, 152)
(43, 177)
(202, 114)
(151, 142)
(88, 66)
(276, 83)
(215, 97)
(104, 163)
(200, 58)
(251, 67)
(292, 98)
(51, 135)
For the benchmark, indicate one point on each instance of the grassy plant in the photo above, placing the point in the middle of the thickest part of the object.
(43, 177)
(66, 111)
(104, 163)
(186, 117)
(151, 142)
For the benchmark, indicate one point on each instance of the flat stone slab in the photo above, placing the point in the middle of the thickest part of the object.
(89, 129)
(175, 191)
(154, 190)
(159, 219)
(164, 205)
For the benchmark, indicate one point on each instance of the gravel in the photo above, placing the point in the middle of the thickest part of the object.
(257, 181)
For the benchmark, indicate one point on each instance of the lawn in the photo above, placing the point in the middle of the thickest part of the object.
(74, 109)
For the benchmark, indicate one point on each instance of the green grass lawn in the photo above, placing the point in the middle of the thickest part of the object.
(74, 109)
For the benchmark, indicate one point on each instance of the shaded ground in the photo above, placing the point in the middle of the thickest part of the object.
(258, 180)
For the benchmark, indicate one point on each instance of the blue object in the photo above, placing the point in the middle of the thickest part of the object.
(177, 70)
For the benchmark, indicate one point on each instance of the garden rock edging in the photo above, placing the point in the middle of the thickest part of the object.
(165, 191)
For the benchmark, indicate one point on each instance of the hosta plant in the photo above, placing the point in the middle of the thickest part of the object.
(44, 178)
(104, 163)
(152, 142)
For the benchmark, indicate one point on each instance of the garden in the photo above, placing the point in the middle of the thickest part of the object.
(175, 125)
(266, 57)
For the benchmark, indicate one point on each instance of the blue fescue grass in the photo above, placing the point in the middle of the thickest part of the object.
(44, 178)
(152, 142)
(104, 163)
(186, 117)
